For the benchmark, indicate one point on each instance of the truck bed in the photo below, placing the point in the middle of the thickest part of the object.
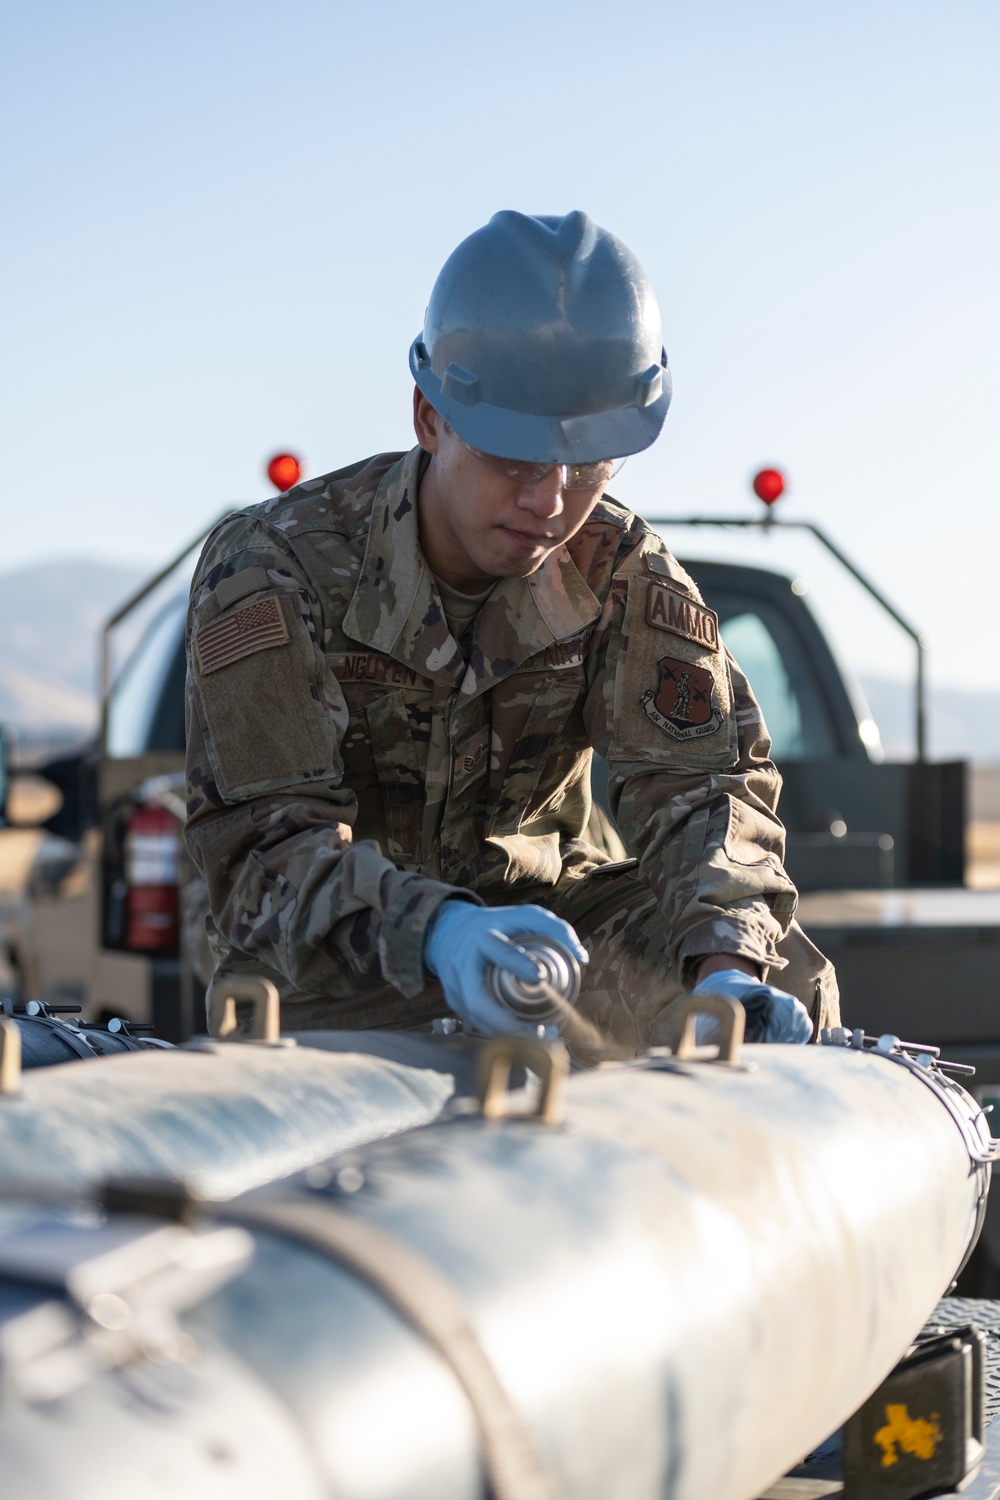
(923, 963)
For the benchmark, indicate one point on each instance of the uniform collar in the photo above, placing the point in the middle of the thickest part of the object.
(524, 615)
(396, 608)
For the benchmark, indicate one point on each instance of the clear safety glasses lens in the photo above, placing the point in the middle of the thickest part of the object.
(578, 476)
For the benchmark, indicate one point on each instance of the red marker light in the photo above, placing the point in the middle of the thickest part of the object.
(768, 485)
(284, 470)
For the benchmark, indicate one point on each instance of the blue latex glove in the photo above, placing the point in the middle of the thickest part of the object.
(462, 939)
(772, 1014)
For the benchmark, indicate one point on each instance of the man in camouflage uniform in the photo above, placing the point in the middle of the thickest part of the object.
(399, 673)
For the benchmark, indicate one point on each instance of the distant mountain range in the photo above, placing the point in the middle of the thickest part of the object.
(962, 725)
(50, 617)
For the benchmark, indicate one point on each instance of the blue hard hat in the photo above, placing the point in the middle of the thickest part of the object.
(542, 342)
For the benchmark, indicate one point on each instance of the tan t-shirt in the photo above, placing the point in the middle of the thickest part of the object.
(460, 610)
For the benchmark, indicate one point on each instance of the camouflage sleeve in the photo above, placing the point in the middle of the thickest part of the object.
(691, 783)
(269, 818)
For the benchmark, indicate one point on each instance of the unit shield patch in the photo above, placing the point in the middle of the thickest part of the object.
(683, 702)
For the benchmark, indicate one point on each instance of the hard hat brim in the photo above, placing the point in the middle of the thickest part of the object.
(536, 439)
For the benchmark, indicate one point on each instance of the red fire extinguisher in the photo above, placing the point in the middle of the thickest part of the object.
(152, 871)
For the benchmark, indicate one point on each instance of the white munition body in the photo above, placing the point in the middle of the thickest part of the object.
(683, 1288)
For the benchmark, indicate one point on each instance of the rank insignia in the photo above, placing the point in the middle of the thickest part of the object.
(683, 702)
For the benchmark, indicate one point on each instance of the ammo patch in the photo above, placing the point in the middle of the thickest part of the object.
(255, 627)
(666, 609)
(683, 702)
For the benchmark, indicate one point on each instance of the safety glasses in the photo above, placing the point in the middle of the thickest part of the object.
(576, 476)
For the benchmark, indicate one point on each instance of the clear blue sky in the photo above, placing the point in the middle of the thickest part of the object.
(222, 221)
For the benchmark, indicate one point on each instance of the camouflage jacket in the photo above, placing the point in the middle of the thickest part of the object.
(348, 769)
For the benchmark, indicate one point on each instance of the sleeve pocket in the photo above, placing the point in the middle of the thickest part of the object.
(257, 677)
(672, 698)
(754, 845)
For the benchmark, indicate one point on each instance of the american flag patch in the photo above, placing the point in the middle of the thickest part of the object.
(255, 627)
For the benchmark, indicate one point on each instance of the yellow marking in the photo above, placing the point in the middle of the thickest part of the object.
(913, 1434)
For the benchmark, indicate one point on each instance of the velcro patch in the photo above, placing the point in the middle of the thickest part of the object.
(255, 627)
(666, 609)
(382, 670)
(683, 702)
(238, 585)
(558, 656)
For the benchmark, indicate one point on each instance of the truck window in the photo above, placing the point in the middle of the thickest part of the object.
(146, 711)
(754, 647)
(786, 659)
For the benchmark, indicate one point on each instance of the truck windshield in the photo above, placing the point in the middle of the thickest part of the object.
(145, 685)
(754, 647)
